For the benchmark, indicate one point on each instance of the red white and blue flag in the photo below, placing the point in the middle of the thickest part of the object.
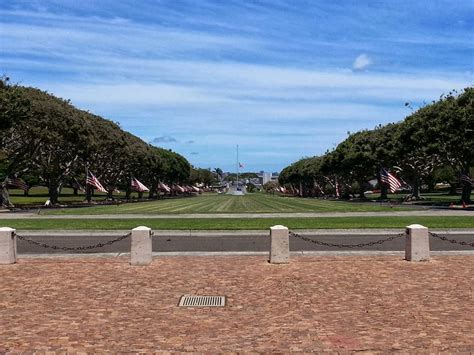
(18, 183)
(164, 187)
(138, 186)
(179, 188)
(465, 178)
(93, 181)
(389, 179)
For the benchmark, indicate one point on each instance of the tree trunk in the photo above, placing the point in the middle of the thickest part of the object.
(75, 192)
(53, 192)
(140, 195)
(152, 193)
(466, 193)
(5, 196)
(88, 193)
(415, 191)
(361, 190)
(383, 191)
(452, 188)
(128, 191)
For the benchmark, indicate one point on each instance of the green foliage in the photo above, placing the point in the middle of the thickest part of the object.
(251, 187)
(439, 134)
(270, 186)
(47, 140)
(14, 108)
(202, 176)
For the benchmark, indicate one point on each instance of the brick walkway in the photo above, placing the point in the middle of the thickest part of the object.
(343, 304)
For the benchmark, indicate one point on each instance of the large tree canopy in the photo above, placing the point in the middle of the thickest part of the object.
(47, 136)
(437, 135)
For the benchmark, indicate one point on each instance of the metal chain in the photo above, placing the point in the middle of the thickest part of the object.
(453, 241)
(88, 247)
(349, 246)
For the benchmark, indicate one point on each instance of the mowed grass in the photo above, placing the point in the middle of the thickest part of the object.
(238, 224)
(436, 197)
(39, 195)
(214, 203)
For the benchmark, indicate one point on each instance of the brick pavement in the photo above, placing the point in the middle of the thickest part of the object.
(330, 303)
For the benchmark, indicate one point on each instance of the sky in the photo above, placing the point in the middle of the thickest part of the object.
(282, 80)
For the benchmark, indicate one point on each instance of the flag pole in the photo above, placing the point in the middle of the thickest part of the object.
(237, 166)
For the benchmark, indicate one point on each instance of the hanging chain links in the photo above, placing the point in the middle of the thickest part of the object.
(349, 246)
(453, 241)
(80, 248)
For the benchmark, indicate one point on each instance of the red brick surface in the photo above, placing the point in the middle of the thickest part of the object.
(342, 304)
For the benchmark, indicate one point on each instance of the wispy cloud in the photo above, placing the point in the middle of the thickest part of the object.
(163, 139)
(240, 72)
(362, 62)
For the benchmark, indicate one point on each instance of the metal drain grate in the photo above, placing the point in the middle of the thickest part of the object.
(202, 301)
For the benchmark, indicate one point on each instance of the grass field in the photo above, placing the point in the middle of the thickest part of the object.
(213, 203)
(238, 224)
(435, 197)
(39, 195)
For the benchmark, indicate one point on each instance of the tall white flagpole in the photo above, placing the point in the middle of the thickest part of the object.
(237, 166)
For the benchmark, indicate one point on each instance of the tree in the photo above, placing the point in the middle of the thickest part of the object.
(270, 186)
(14, 109)
(202, 176)
(49, 141)
(219, 174)
(56, 143)
(443, 132)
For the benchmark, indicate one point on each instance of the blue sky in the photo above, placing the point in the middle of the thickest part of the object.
(282, 79)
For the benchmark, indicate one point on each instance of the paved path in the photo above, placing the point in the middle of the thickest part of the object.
(426, 212)
(376, 304)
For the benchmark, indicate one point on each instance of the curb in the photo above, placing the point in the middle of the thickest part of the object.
(238, 253)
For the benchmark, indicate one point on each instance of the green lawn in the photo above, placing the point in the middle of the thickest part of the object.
(435, 197)
(39, 195)
(214, 203)
(238, 224)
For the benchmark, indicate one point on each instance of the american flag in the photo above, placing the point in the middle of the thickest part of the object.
(92, 180)
(164, 187)
(465, 178)
(390, 180)
(138, 186)
(241, 165)
(180, 189)
(319, 188)
(17, 182)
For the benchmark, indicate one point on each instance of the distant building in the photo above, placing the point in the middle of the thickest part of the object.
(265, 177)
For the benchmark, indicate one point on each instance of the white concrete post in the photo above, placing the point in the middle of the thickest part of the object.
(7, 245)
(141, 249)
(417, 243)
(279, 245)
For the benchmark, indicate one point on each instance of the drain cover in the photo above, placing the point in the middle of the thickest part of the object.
(202, 301)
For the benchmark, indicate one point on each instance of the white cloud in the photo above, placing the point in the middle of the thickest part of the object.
(163, 139)
(225, 82)
(362, 62)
